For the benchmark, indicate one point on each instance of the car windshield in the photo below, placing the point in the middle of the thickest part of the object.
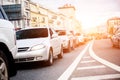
(61, 32)
(32, 33)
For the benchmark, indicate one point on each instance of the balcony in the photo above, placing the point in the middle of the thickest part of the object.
(12, 8)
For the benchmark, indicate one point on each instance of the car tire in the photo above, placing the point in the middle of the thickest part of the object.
(60, 56)
(4, 75)
(49, 62)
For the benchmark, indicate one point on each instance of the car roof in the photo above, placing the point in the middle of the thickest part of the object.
(27, 28)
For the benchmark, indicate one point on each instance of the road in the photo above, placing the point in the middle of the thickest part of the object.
(80, 64)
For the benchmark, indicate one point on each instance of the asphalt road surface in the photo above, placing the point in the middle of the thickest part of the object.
(84, 63)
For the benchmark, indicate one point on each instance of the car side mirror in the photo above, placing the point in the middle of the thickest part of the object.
(54, 35)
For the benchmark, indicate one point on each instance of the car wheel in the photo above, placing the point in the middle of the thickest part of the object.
(60, 56)
(49, 62)
(3, 67)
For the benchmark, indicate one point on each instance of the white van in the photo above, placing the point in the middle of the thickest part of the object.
(8, 48)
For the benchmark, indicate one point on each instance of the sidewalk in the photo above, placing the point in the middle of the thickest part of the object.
(103, 49)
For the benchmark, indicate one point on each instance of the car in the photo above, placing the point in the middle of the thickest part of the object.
(80, 38)
(8, 48)
(74, 38)
(67, 39)
(116, 40)
(38, 44)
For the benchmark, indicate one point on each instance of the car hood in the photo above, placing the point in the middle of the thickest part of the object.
(31, 42)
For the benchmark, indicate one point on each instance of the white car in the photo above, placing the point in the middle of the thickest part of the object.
(38, 44)
(67, 39)
(8, 48)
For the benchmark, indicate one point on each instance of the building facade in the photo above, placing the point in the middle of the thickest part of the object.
(38, 14)
(18, 12)
(24, 13)
(71, 23)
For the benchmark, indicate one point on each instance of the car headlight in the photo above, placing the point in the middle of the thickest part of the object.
(37, 47)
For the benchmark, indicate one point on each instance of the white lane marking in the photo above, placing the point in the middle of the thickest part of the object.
(71, 68)
(109, 64)
(99, 77)
(90, 61)
(91, 67)
(87, 57)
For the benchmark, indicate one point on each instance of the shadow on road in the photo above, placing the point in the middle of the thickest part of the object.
(30, 65)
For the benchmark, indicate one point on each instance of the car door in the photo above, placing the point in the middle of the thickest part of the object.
(55, 42)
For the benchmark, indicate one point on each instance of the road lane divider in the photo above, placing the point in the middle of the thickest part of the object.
(91, 67)
(107, 63)
(99, 77)
(72, 67)
(86, 57)
(89, 61)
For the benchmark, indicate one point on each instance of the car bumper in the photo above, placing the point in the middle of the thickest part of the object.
(31, 56)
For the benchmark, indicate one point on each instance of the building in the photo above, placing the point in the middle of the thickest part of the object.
(71, 23)
(18, 12)
(68, 10)
(24, 13)
(113, 25)
(38, 14)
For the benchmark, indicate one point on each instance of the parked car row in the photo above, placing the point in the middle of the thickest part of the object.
(32, 44)
(70, 39)
(43, 44)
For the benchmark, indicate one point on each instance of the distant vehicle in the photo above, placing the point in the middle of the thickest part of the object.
(80, 38)
(116, 40)
(38, 44)
(72, 35)
(67, 39)
(8, 48)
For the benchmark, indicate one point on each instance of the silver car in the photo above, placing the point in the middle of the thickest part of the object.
(38, 44)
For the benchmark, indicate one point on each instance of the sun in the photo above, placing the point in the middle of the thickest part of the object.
(90, 21)
(87, 22)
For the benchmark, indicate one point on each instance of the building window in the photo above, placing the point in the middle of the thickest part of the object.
(42, 20)
(17, 1)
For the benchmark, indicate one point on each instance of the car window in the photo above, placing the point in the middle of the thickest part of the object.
(51, 32)
(32, 33)
(62, 33)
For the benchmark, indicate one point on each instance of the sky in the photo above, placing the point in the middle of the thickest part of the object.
(89, 12)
